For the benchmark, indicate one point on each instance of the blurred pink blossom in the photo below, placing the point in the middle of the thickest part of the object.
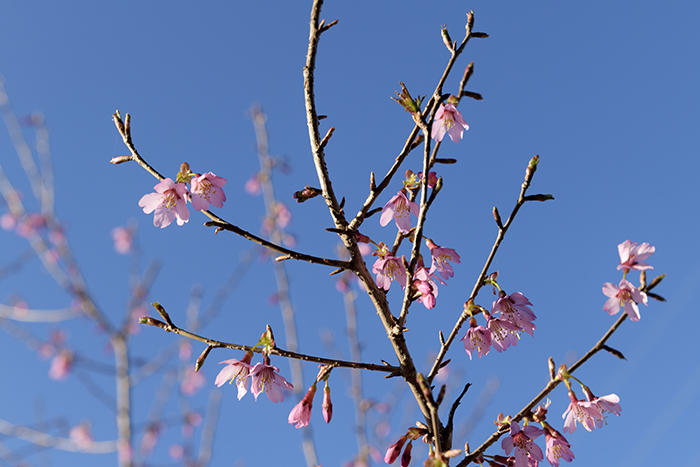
(123, 239)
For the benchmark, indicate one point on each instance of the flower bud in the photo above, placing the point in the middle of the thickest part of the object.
(327, 404)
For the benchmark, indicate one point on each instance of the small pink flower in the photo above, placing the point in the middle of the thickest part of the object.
(503, 333)
(192, 381)
(253, 185)
(606, 404)
(432, 178)
(441, 258)
(580, 411)
(327, 404)
(238, 370)
(301, 413)
(267, 378)
(625, 296)
(425, 284)
(477, 338)
(123, 239)
(168, 203)
(514, 308)
(448, 120)
(387, 269)
(522, 441)
(631, 255)
(557, 447)
(394, 450)
(207, 189)
(400, 209)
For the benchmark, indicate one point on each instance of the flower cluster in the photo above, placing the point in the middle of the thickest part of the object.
(626, 296)
(300, 416)
(170, 199)
(264, 377)
(515, 316)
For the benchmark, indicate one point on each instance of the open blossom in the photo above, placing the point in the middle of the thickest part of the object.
(388, 269)
(625, 296)
(238, 370)
(441, 259)
(557, 447)
(606, 404)
(207, 189)
(168, 202)
(477, 338)
(400, 209)
(123, 239)
(632, 255)
(522, 442)
(301, 413)
(448, 120)
(503, 333)
(514, 308)
(580, 411)
(267, 378)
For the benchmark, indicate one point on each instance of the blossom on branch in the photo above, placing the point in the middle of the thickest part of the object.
(238, 370)
(267, 378)
(441, 259)
(477, 338)
(522, 442)
(301, 413)
(168, 202)
(448, 120)
(514, 308)
(631, 256)
(606, 404)
(400, 209)
(388, 268)
(423, 281)
(626, 297)
(580, 411)
(207, 189)
(557, 446)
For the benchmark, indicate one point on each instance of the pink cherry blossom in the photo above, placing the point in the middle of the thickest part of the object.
(503, 333)
(192, 381)
(557, 447)
(631, 255)
(400, 209)
(81, 435)
(580, 411)
(425, 284)
(301, 413)
(238, 370)
(605, 405)
(477, 338)
(448, 120)
(61, 365)
(387, 269)
(522, 442)
(441, 258)
(168, 203)
(267, 378)
(207, 189)
(514, 308)
(625, 296)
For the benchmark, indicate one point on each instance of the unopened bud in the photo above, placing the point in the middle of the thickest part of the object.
(306, 194)
(497, 217)
(121, 159)
(152, 322)
(552, 369)
(531, 168)
(447, 39)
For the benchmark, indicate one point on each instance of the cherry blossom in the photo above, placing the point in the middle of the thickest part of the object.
(631, 256)
(423, 280)
(503, 333)
(557, 446)
(448, 120)
(441, 258)
(123, 239)
(267, 378)
(606, 404)
(400, 209)
(477, 338)
(207, 189)
(580, 411)
(626, 297)
(514, 308)
(522, 442)
(238, 370)
(301, 413)
(168, 203)
(389, 268)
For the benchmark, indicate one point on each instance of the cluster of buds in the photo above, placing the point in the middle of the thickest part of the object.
(300, 416)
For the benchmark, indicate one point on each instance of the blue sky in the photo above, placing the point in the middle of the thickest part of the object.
(606, 93)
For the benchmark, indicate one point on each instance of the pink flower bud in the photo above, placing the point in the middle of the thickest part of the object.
(327, 404)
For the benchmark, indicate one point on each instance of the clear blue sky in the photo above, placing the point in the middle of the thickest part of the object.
(605, 92)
